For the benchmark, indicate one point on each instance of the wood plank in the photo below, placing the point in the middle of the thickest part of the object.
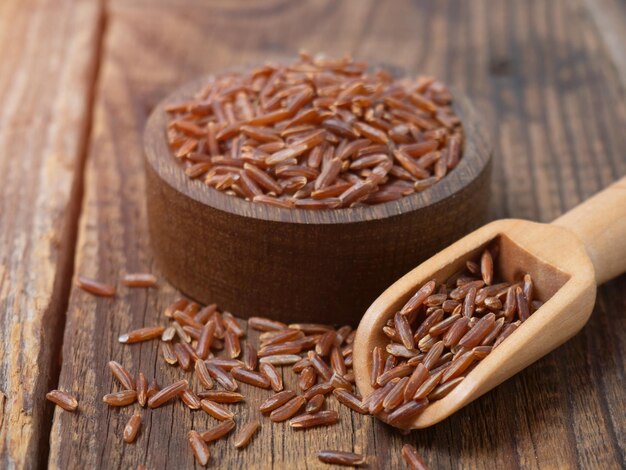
(557, 114)
(48, 51)
(610, 20)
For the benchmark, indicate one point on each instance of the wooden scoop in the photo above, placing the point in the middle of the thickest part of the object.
(566, 259)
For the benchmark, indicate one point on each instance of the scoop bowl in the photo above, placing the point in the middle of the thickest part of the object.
(566, 260)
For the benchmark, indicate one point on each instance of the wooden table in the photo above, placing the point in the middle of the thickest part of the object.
(78, 79)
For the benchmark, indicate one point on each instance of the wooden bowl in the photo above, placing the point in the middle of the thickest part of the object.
(298, 265)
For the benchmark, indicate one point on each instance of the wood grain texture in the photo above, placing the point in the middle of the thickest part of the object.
(610, 19)
(48, 51)
(301, 264)
(540, 73)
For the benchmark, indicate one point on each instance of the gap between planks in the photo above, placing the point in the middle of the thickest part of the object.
(63, 287)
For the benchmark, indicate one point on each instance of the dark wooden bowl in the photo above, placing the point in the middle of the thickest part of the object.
(299, 265)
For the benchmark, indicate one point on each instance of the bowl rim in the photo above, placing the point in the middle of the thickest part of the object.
(477, 153)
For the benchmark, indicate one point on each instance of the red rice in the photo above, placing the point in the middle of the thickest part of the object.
(62, 399)
(276, 401)
(166, 394)
(404, 414)
(142, 390)
(323, 388)
(222, 396)
(269, 371)
(412, 458)
(190, 399)
(95, 287)
(222, 377)
(132, 428)
(216, 410)
(348, 399)
(336, 457)
(309, 420)
(243, 437)
(285, 129)
(122, 375)
(287, 410)
(315, 404)
(250, 377)
(218, 431)
(455, 324)
(199, 448)
(139, 280)
(123, 398)
(141, 334)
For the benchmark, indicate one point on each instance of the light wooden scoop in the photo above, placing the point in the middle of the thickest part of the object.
(566, 259)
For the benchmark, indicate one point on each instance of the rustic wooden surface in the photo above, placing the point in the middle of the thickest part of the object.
(545, 74)
(48, 64)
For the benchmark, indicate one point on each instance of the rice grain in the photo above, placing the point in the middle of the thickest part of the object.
(216, 410)
(403, 415)
(190, 399)
(199, 448)
(222, 377)
(351, 401)
(243, 437)
(218, 431)
(274, 377)
(122, 375)
(336, 457)
(123, 398)
(288, 409)
(142, 390)
(315, 404)
(139, 280)
(221, 396)
(310, 420)
(132, 428)
(250, 377)
(276, 401)
(62, 399)
(95, 287)
(413, 459)
(141, 334)
(166, 394)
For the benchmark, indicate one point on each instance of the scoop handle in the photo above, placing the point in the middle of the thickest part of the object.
(600, 223)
